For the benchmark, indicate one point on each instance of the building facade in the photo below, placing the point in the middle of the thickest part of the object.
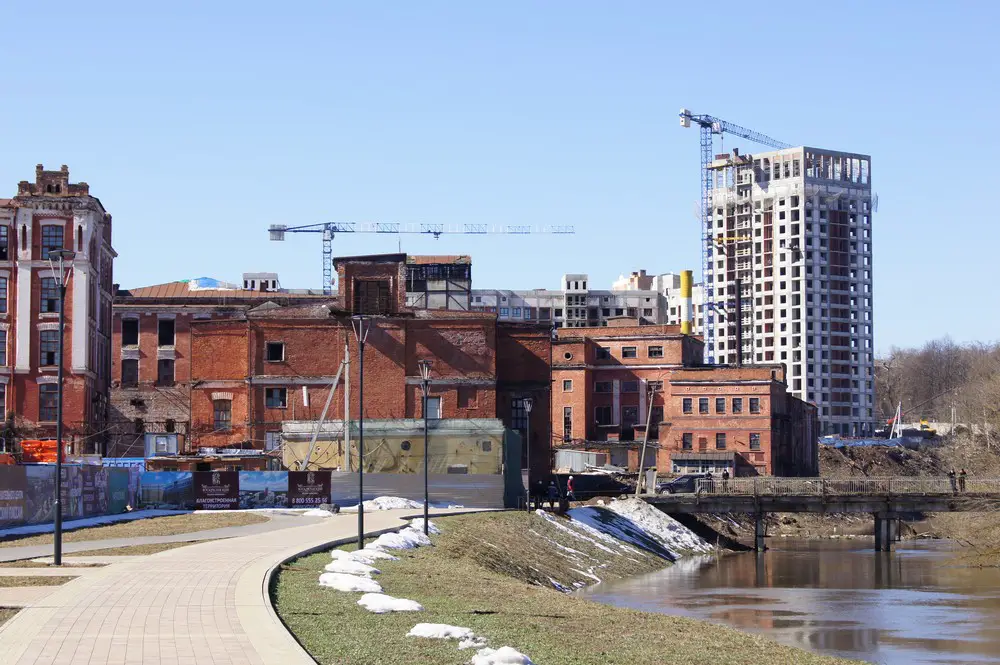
(612, 385)
(50, 214)
(794, 226)
(671, 297)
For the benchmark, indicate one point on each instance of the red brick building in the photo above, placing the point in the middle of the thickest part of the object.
(608, 381)
(246, 368)
(49, 214)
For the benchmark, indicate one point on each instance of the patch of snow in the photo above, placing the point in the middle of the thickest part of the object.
(406, 539)
(672, 534)
(317, 512)
(69, 525)
(622, 530)
(418, 524)
(379, 603)
(351, 567)
(577, 534)
(501, 656)
(349, 583)
(441, 631)
(385, 503)
(368, 556)
(474, 642)
(588, 573)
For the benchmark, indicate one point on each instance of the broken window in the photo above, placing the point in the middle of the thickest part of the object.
(687, 441)
(223, 412)
(49, 295)
(165, 372)
(467, 397)
(130, 372)
(4, 239)
(165, 332)
(720, 441)
(48, 348)
(687, 405)
(275, 352)
(52, 239)
(48, 402)
(655, 352)
(629, 352)
(130, 332)
(276, 398)
(754, 441)
(602, 415)
(371, 296)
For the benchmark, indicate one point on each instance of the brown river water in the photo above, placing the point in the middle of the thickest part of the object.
(908, 607)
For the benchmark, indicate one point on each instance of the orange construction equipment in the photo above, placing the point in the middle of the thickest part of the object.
(33, 451)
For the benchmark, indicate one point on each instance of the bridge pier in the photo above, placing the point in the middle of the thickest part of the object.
(758, 532)
(886, 532)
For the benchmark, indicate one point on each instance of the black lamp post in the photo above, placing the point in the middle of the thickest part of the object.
(528, 403)
(425, 377)
(60, 272)
(361, 328)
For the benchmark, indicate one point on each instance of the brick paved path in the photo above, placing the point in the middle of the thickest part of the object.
(204, 603)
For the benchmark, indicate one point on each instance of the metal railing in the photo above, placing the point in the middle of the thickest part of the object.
(765, 486)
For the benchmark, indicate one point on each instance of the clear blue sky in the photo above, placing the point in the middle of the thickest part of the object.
(199, 126)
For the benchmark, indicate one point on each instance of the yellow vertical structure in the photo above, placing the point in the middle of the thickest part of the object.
(686, 313)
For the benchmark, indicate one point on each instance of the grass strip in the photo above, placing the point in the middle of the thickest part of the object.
(32, 580)
(170, 525)
(7, 613)
(475, 576)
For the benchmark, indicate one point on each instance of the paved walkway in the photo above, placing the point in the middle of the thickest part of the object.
(277, 521)
(205, 603)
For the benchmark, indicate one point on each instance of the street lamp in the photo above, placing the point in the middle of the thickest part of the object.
(528, 403)
(361, 328)
(60, 272)
(425, 377)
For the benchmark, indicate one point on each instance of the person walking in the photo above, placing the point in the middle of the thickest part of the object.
(951, 479)
(961, 480)
(553, 494)
(725, 480)
(569, 489)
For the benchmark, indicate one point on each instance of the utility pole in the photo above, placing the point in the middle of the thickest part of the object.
(425, 376)
(645, 439)
(347, 407)
(361, 333)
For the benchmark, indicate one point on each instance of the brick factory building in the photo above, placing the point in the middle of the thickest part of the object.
(255, 360)
(49, 214)
(607, 381)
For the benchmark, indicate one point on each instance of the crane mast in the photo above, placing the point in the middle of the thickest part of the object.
(710, 126)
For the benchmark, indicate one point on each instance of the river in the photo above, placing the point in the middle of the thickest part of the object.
(841, 598)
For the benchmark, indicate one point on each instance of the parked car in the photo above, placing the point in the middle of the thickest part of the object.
(680, 484)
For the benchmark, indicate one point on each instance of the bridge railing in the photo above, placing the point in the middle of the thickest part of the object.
(768, 486)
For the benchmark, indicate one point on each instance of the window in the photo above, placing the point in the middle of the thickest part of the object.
(602, 415)
(3, 291)
(518, 414)
(3, 350)
(687, 441)
(3, 397)
(754, 405)
(165, 332)
(602, 387)
(517, 312)
(433, 408)
(687, 405)
(737, 405)
(130, 332)
(223, 414)
(165, 372)
(4, 236)
(371, 296)
(276, 398)
(52, 239)
(655, 352)
(630, 386)
(49, 295)
(720, 404)
(130, 372)
(703, 406)
(170, 425)
(567, 385)
(274, 352)
(629, 352)
(720, 441)
(603, 353)
(48, 396)
(655, 386)
(504, 311)
(468, 397)
(567, 423)
(48, 348)
(754, 441)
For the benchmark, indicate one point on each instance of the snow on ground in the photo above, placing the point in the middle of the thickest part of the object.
(370, 556)
(573, 532)
(406, 539)
(675, 536)
(386, 503)
(441, 631)
(317, 512)
(418, 524)
(379, 603)
(350, 583)
(351, 567)
(501, 656)
(69, 525)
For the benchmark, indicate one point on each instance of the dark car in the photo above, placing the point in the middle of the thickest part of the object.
(680, 484)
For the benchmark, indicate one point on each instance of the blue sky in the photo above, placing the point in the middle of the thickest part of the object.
(198, 126)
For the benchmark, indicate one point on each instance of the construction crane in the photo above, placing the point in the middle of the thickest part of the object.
(329, 229)
(710, 126)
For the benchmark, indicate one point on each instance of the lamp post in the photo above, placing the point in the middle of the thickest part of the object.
(60, 272)
(425, 377)
(528, 403)
(361, 330)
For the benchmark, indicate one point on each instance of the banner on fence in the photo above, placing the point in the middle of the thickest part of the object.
(263, 489)
(307, 489)
(13, 488)
(216, 490)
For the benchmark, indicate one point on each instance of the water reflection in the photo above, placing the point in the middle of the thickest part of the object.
(909, 606)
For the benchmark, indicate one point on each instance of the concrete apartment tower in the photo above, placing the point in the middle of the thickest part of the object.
(794, 228)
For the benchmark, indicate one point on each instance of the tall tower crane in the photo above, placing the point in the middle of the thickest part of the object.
(328, 229)
(710, 126)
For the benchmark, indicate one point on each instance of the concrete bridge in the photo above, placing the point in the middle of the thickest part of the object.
(887, 499)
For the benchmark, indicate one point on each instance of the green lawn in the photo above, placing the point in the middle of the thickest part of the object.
(473, 578)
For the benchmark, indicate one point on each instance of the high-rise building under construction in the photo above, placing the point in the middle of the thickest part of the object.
(793, 228)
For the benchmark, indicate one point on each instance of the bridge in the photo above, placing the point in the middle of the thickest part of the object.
(887, 499)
